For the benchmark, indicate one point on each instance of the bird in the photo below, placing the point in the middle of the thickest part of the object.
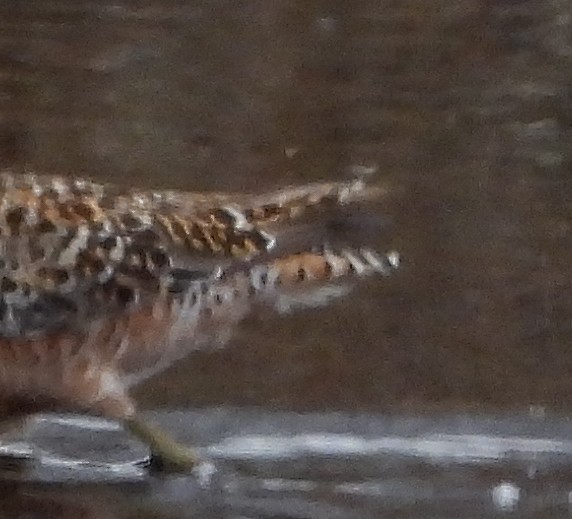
(103, 286)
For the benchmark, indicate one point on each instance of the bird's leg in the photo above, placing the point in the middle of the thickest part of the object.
(166, 454)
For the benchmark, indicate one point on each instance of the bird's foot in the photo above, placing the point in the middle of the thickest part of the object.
(167, 455)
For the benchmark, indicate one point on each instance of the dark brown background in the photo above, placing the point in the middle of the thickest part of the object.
(465, 108)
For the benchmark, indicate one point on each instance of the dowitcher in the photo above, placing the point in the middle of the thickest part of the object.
(102, 287)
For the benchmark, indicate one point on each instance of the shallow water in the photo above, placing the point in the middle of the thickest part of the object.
(290, 465)
(417, 386)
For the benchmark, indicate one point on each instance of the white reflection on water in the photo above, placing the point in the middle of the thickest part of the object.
(80, 422)
(439, 446)
(505, 496)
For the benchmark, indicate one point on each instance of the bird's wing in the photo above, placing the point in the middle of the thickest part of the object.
(73, 251)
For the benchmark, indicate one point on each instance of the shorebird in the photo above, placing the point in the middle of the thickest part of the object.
(102, 286)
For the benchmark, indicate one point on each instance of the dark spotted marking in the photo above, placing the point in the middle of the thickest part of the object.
(196, 234)
(135, 258)
(36, 251)
(124, 295)
(328, 269)
(3, 309)
(224, 217)
(131, 223)
(46, 226)
(145, 237)
(260, 241)
(264, 212)
(204, 288)
(15, 218)
(58, 276)
(83, 210)
(139, 273)
(207, 238)
(66, 211)
(7, 285)
(52, 304)
(187, 275)
(109, 243)
(248, 242)
(88, 264)
(181, 279)
(79, 210)
(271, 210)
(159, 258)
(264, 278)
(179, 230)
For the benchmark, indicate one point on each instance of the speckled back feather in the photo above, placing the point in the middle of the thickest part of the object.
(73, 250)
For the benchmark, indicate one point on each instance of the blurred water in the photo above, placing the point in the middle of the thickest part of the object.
(463, 110)
(281, 464)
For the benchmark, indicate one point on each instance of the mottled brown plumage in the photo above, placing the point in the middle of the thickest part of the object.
(102, 286)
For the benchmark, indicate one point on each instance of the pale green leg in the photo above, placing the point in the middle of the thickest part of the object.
(166, 453)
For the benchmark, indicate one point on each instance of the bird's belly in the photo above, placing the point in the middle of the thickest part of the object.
(58, 373)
